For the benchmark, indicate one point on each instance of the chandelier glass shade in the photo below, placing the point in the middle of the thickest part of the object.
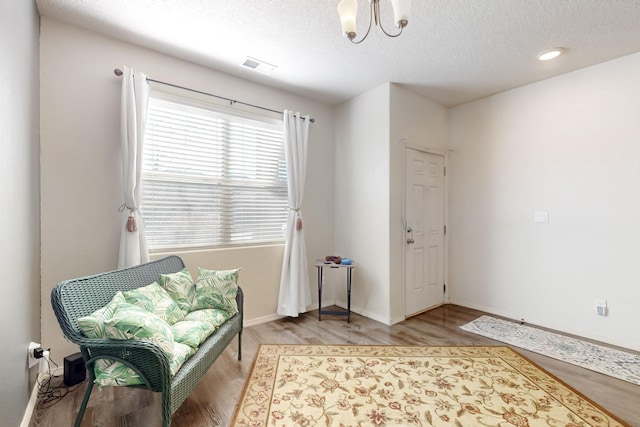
(348, 10)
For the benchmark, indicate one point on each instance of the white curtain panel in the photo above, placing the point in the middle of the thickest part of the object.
(135, 97)
(295, 296)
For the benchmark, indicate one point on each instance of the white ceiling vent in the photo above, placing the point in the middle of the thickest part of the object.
(258, 65)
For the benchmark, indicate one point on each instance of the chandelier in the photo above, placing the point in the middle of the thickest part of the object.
(348, 9)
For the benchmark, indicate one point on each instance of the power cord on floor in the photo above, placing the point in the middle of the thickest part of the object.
(48, 392)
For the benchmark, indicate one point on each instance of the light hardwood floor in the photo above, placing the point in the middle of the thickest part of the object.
(213, 400)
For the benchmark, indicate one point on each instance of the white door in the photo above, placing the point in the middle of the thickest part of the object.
(424, 231)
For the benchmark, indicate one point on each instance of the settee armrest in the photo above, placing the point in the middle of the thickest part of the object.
(240, 299)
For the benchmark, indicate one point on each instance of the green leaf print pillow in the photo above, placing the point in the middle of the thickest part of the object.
(156, 300)
(132, 322)
(217, 289)
(93, 325)
(180, 287)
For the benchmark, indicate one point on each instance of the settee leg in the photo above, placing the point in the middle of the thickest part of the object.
(166, 409)
(85, 400)
(240, 345)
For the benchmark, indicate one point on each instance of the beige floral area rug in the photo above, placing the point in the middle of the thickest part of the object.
(348, 385)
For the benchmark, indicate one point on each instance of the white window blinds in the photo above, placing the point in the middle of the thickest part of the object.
(211, 178)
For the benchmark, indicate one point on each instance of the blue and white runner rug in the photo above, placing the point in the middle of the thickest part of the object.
(598, 358)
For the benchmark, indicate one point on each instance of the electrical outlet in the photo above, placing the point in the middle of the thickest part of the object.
(31, 355)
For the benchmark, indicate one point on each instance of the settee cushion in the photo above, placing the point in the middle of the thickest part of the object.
(155, 299)
(215, 316)
(198, 325)
(180, 287)
(192, 332)
(216, 289)
(110, 373)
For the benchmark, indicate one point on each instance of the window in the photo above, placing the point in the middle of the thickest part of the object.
(211, 177)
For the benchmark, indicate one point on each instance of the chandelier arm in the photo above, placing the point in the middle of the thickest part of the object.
(390, 35)
(379, 21)
(375, 6)
(371, 13)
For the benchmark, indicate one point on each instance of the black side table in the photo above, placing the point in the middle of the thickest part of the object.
(321, 265)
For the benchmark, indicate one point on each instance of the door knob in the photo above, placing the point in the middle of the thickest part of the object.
(410, 239)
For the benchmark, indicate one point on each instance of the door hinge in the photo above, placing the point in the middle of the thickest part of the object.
(444, 288)
(445, 229)
(445, 171)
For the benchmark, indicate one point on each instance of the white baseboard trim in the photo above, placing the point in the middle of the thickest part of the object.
(272, 317)
(397, 319)
(33, 399)
(553, 327)
(31, 405)
(341, 304)
(373, 316)
(260, 320)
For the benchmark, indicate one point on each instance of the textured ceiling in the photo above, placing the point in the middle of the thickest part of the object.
(453, 51)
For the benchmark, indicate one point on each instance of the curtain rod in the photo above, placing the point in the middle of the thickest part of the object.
(118, 72)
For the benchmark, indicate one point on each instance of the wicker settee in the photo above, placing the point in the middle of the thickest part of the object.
(75, 298)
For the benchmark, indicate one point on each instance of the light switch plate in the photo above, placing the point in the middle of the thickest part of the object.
(601, 307)
(541, 217)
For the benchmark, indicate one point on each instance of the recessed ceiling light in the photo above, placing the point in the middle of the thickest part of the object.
(550, 54)
(258, 65)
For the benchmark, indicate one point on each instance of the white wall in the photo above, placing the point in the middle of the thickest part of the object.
(264, 268)
(19, 192)
(567, 145)
(372, 131)
(570, 146)
(422, 124)
(81, 167)
(362, 200)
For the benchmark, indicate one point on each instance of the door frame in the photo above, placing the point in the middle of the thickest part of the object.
(445, 155)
